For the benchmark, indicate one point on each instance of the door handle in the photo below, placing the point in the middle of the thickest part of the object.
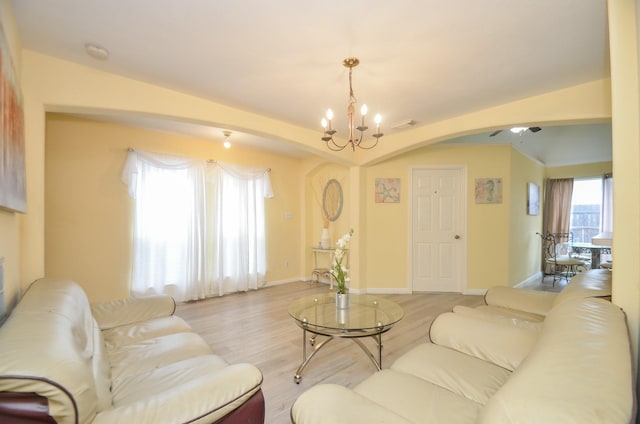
(457, 237)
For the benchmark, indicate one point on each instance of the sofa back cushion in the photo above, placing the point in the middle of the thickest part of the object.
(49, 347)
(488, 339)
(579, 371)
(592, 283)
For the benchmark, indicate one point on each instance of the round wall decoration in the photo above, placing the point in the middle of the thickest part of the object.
(332, 200)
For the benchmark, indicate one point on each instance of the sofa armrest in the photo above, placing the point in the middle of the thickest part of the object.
(331, 403)
(133, 309)
(532, 301)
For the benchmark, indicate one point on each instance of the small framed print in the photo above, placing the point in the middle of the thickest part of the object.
(488, 190)
(387, 190)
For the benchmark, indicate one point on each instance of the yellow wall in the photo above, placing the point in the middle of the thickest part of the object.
(524, 245)
(89, 213)
(579, 171)
(388, 226)
(316, 178)
(624, 18)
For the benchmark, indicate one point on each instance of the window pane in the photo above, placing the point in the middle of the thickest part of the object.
(586, 203)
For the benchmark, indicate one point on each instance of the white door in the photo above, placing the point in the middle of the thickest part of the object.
(438, 222)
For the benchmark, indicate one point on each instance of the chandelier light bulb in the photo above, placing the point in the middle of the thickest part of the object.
(378, 119)
(329, 114)
(323, 123)
(363, 110)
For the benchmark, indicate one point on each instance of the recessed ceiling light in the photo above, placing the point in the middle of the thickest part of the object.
(518, 130)
(227, 143)
(96, 51)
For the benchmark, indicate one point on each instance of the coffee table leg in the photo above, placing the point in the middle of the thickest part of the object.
(305, 359)
(377, 362)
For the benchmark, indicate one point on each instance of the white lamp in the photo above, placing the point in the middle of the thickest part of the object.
(604, 238)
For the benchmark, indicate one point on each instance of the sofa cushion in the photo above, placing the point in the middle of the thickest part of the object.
(464, 375)
(498, 314)
(417, 400)
(129, 334)
(500, 344)
(537, 303)
(201, 386)
(132, 310)
(580, 371)
(331, 403)
(154, 353)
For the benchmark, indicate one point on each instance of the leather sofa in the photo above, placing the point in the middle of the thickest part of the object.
(525, 357)
(130, 361)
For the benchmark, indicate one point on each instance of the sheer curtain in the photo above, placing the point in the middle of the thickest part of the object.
(198, 226)
(238, 254)
(606, 225)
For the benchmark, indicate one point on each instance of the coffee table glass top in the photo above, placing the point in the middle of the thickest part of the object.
(366, 313)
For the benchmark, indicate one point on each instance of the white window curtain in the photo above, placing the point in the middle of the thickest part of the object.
(606, 225)
(198, 227)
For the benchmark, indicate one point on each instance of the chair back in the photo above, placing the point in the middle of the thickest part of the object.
(556, 245)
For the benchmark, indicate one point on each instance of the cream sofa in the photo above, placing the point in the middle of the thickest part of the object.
(127, 361)
(569, 363)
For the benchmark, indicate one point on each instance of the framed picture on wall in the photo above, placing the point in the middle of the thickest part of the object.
(13, 189)
(488, 190)
(533, 199)
(387, 190)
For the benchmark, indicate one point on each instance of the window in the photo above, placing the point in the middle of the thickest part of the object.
(586, 209)
(198, 226)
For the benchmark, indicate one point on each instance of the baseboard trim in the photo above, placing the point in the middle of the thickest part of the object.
(534, 279)
(383, 291)
(475, 292)
(288, 280)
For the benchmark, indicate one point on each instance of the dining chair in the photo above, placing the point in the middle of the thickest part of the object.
(560, 261)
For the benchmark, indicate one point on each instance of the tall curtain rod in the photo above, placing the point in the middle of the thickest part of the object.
(131, 149)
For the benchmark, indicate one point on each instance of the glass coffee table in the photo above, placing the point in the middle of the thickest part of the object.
(367, 316)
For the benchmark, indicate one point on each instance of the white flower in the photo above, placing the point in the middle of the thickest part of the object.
(338, 270)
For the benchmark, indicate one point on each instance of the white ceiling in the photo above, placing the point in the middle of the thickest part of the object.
(424, 60)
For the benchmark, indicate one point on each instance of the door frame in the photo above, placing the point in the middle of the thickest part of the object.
(463, 282)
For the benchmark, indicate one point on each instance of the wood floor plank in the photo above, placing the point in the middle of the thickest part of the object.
(255, 327)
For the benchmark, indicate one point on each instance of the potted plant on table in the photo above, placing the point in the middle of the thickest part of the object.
(339, 271)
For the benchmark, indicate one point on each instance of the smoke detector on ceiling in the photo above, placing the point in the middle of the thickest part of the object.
(96, 51)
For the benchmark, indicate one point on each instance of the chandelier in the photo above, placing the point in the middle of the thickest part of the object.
(354, 141)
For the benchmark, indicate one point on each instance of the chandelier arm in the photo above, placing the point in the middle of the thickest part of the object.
(368, 147)
(332, 145)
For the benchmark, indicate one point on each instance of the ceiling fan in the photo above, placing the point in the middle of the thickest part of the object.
(518, 130)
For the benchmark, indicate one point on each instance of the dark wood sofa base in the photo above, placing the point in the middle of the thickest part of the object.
(31, 408)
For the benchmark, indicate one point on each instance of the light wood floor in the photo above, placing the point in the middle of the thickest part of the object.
(255, 327)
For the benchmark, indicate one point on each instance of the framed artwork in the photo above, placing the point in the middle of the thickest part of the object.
(533, 199)
(387, 190)
(13, 188)
(488, 190)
